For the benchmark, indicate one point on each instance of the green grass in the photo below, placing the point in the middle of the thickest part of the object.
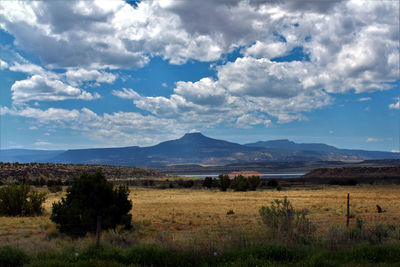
(266, 255)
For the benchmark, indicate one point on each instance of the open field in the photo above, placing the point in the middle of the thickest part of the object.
(178, 215)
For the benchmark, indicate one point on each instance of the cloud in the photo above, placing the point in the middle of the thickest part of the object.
(78, 76)
(115, 129)
(363, 99)
(46, 85)
(3, 65)
(42, 144)
(126, 93)
(346, 47)
(372, 139)
(395, 105)
(248, 120)
(41, 88)
(245, 86)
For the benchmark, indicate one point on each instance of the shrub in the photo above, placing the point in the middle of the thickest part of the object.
(208, 182)
(90, 196)
(20, 200)
(230, 212)
(224, 182)
(148, 183)
(240, 183)
(273, 183)
(215, 182)
(285, 222)
(12, 257)
(348, 181)
(55, 188)
(188, 184)
(254, 182)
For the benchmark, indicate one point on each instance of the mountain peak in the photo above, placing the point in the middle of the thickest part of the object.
(193, 134)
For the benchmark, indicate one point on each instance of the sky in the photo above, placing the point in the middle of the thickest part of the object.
(82, 74)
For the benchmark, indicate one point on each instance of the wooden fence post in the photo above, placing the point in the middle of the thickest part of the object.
(348, 209)
(98, 231)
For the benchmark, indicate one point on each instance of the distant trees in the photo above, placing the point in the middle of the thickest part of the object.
(239, 183)
(21, 200)
(254, 182)
(208, 182)
(224, 182)
(88, 197)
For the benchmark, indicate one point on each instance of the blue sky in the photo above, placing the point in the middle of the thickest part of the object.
(78, 74)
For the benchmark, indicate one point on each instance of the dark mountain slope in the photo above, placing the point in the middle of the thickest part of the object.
(27, 155)
(195, 148)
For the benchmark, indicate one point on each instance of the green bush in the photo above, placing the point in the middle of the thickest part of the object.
(54, 188)
(21, 200)
(254, 182)
(208, 182)
(12, 257)
(240, 183)
(273, 183)
(90, 196)
(285, 222)
(224, 182)
(342, 181)
(188, 184)
(153, 256)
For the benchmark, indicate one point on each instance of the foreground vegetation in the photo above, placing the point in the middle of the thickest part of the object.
(182, 227)
(265, 255)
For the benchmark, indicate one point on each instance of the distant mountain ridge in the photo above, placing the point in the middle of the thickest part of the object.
(290, 145)
(195, 148)
(27, 155)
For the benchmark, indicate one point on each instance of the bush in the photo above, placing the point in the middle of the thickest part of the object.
(188, 184)
(285, 222)
(273, 183)
(254, 182)
(55, 188)
(208, 182)
(12, 257)
(20, 200)
(215, 182)
(90, 196)
(348, 181)
(224, 182)
(240, 183)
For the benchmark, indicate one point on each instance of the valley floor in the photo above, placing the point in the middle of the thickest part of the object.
(190, 217)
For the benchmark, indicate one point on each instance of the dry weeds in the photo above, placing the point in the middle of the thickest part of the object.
(174, 216)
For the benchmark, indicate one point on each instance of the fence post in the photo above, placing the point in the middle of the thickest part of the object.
(348, 209)
(98, 231)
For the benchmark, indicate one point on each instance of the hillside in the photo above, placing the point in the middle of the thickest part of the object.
(195, 148)
(33, 171)
(354, 172)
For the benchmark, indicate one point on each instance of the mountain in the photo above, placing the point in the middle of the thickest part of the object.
(191, 148)
(331, 152)
(289, 145)
(195, 148)
(27, 155)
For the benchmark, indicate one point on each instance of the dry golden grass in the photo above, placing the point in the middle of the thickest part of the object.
(181, 209)
(201, 215)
